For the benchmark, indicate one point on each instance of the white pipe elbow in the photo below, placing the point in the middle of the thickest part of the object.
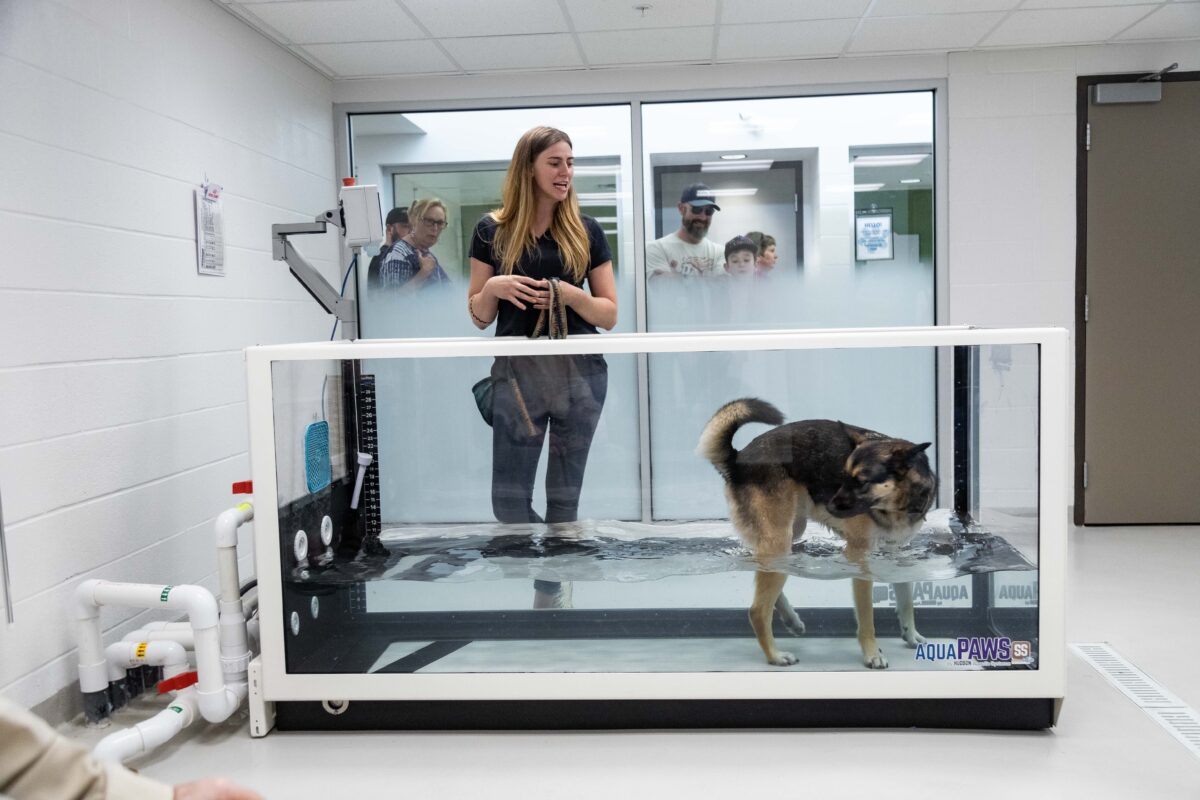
(126, 654)
(229, 521)
(184, 636)
(219, 705)
(93, 667)
(118, 656)
(86, 607)
(199, 602)
(120, 746)
(123, 745)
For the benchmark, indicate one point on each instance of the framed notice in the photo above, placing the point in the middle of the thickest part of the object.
(873, 234)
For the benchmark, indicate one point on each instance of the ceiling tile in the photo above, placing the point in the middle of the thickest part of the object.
(1176, 21)
(688, 45)
(1061, 26)
(734, 12)
(913, 8)
(380, 58)
(463, 18)
(543, 51)
(612, 15)
(933, 32)
(784, 39)
(336, 21)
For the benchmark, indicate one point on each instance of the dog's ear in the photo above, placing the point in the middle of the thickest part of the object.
(903, 456)
(856, 438)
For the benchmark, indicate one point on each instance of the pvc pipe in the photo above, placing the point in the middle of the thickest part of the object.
(235, 652)
(159, 625)
(197, 601)
(216, 701)
(364, 461)
(184, 637)
(125, 655)
(229, 522)
(123, 745)
(93, 670)
(250, 603)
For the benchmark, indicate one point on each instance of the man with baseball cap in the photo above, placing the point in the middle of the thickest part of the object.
(686, 252)
(395, 227)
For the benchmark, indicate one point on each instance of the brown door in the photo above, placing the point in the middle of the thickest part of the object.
(1139, 404)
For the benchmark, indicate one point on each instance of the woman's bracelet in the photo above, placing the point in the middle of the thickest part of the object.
(471, 311)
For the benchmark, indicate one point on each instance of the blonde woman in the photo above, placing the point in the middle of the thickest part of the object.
(538, 236)
(410, 265)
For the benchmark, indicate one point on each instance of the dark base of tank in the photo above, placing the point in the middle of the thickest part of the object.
(972, 713)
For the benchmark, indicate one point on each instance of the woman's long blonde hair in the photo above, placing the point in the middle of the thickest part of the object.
(514, 218)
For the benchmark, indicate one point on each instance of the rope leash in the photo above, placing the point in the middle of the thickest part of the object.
(554, 321)
(556, 314)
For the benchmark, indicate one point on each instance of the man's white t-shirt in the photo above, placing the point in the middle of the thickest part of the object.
(672, 254)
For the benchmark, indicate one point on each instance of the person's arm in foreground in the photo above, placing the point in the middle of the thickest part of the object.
(36, 761)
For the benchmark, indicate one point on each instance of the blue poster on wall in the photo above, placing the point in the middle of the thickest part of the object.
(873, 234)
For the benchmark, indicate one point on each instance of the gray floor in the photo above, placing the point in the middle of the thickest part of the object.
(1130, 587)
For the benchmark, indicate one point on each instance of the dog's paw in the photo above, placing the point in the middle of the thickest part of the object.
(876, 661)
(782, 659)
(792, 622)
(911, 637)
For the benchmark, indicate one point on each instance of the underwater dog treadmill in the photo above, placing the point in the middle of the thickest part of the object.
(392, 598)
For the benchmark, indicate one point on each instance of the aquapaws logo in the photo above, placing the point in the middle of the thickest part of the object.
(976, 649)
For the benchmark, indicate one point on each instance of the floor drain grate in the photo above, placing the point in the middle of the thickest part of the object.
(1180, 720)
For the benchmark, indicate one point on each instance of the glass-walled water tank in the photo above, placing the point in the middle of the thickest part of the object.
(465, 564)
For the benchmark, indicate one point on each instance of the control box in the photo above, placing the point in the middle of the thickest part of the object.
(362, 215)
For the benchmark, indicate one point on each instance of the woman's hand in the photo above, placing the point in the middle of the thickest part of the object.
(213, 789)
(571, 294)
(518, 290)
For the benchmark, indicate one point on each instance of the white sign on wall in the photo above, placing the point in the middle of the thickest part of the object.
(873, 234)
(210, 231)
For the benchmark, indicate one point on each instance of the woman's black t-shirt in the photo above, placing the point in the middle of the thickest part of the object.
(544, 262)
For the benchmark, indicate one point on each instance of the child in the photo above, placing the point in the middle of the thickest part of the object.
(766, 252)
(740, 255)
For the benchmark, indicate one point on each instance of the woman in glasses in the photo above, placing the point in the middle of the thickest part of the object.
(410, 265)
(539, 266)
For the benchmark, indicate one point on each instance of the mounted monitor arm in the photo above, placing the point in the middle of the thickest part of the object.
(359, 217)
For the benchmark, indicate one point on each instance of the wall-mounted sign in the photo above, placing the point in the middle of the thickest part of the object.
(873, 234)
(210, 231)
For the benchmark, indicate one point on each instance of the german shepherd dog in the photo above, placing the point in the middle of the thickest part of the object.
(869, 488)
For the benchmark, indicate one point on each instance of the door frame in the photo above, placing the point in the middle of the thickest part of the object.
(1083, 91)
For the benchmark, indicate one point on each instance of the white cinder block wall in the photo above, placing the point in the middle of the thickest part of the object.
(122, 390)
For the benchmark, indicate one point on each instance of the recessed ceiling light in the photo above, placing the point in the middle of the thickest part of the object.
(910, 180)
(867, 187)
(900, 160)
(597, 169)
(750, 192)
(733, 157)
(749, 165)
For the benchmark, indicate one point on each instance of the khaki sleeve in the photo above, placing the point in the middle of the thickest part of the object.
(36, 762)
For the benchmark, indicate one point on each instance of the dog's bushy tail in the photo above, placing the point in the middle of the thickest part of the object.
(716, 442)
